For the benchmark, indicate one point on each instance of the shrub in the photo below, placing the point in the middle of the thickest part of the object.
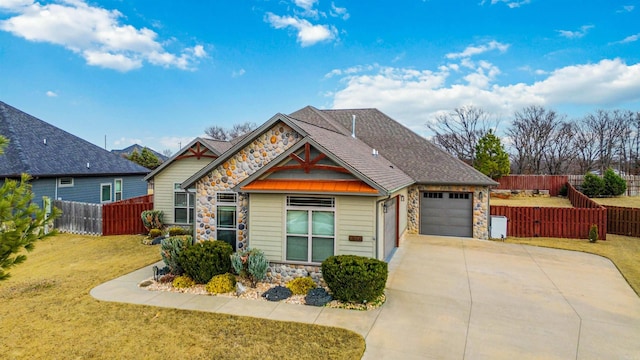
(593, 185)
(183, 282)
(354, 278)
(152, 219)
(614, 184)
(220, 284)
(168, 278)
(301, 285)
(204, 260)
(251, 264)
(564, 190)
(176, 231)
(593, 233)
(170, 249)
(154, 233)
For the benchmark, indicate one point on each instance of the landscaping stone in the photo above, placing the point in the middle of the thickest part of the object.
(240, 289)
(317, 297)
(277, 293)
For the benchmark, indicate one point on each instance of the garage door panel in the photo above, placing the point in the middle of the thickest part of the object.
(447, 214)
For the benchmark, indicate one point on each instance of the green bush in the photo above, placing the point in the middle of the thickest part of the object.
(354, 278)
(564, 190)
(251, 264)
(154, 233)
(221, 284)
(614, 184)
(593, 185)
(170, 249)
(301, 285)
(176, 231)
(593, 233)
(183, 282)
(152, 219)
(204, 260)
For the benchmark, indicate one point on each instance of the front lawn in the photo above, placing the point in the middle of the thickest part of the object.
(47, 313)
(623, 251)
(622, 201)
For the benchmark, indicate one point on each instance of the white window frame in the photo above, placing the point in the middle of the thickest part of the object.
(115, 189)
(328, 207)
(65, 184)
(190, 204)
(103, 185)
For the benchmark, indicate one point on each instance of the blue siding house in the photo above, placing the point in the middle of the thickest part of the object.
(64, 166)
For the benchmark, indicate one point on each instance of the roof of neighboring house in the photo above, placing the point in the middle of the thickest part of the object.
(43, 150)
(137, 147)
(423, 161)
(215, 146)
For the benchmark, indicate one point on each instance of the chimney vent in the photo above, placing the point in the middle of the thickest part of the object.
(353, 126)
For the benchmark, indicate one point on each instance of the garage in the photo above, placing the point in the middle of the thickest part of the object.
(446, 213)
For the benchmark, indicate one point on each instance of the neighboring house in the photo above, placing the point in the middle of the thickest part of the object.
(176, 203)
(126, 152)
(315, 183)
(64, 166)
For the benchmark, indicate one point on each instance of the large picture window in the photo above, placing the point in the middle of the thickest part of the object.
(226, 218)
(310, 229)
(183, 205)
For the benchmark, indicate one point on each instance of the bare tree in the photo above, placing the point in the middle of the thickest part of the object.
(225, 134)
(167, 152)
(531, 132)
(607, 128)
(587, 153)
(561, 150)
(458, 132)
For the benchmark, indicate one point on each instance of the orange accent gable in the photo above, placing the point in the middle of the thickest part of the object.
(325, 186)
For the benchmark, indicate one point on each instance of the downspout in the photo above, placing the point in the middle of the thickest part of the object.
(378, 221)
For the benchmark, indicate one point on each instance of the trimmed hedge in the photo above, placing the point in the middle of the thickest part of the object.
(354, 278)
(204, 260)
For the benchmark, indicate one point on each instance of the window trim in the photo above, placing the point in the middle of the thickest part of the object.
(289, 205)
(178, 190)
(102, 186)
(115, 189)
(70, 184)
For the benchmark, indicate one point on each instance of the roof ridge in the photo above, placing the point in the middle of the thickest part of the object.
(314, 125)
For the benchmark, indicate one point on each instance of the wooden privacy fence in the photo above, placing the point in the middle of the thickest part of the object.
(119, 218)
(78, 218)
(553, 183)
(633, 183)
(623, 221)
(552, 222)
(123, 217)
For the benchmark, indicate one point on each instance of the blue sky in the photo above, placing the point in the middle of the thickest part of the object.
(159, 72)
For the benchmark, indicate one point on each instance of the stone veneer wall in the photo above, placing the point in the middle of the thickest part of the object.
(283, 273)
(233, 171)
(480, 207)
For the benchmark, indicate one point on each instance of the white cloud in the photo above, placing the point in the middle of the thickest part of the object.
(575, 34)
(124, 142)
(629, 39)
(51, 93)
(94, 33)
(479, 49)
(307, 33)
(626, 8)
(510, 3)
(238, 73)
(416, 96)
(305, 4)
(339, 12)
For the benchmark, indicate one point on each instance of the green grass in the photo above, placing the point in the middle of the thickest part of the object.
(623, 201)
(623, 251)
(532, 201)
(46, 312)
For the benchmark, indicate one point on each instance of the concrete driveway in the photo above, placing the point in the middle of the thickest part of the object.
(451, 298)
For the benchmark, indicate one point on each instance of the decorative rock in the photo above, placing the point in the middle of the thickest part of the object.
(317, 297)
(157, 240)
(240, 289)
(277, 293)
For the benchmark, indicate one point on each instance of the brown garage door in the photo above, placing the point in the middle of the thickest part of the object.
(446, 213)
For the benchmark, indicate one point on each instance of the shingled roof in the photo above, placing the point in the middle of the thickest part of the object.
(137, 147)
(43, 150)
(424, 162)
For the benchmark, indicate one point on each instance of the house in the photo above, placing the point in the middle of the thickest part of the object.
(315, 183)
(126, 152)
(64, 166)
(176, 203)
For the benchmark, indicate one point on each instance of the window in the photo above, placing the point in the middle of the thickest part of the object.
(118, 189)
(65, 182)
(226, 218)
(105, 193)
(183, 205)
(458, 195)
(310, 229)
(433, 195)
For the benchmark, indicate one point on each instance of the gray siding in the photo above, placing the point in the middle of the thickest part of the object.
(87, 189)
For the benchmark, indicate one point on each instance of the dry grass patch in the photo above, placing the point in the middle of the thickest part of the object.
(623, 251)
(47, 313)
(532, 201)
(622, 201)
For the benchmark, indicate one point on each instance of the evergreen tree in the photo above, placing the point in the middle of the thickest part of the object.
(146, 158)
(22, 222)
(491, 158)
(613, 183)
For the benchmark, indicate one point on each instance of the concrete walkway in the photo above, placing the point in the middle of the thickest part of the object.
(451, 298)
